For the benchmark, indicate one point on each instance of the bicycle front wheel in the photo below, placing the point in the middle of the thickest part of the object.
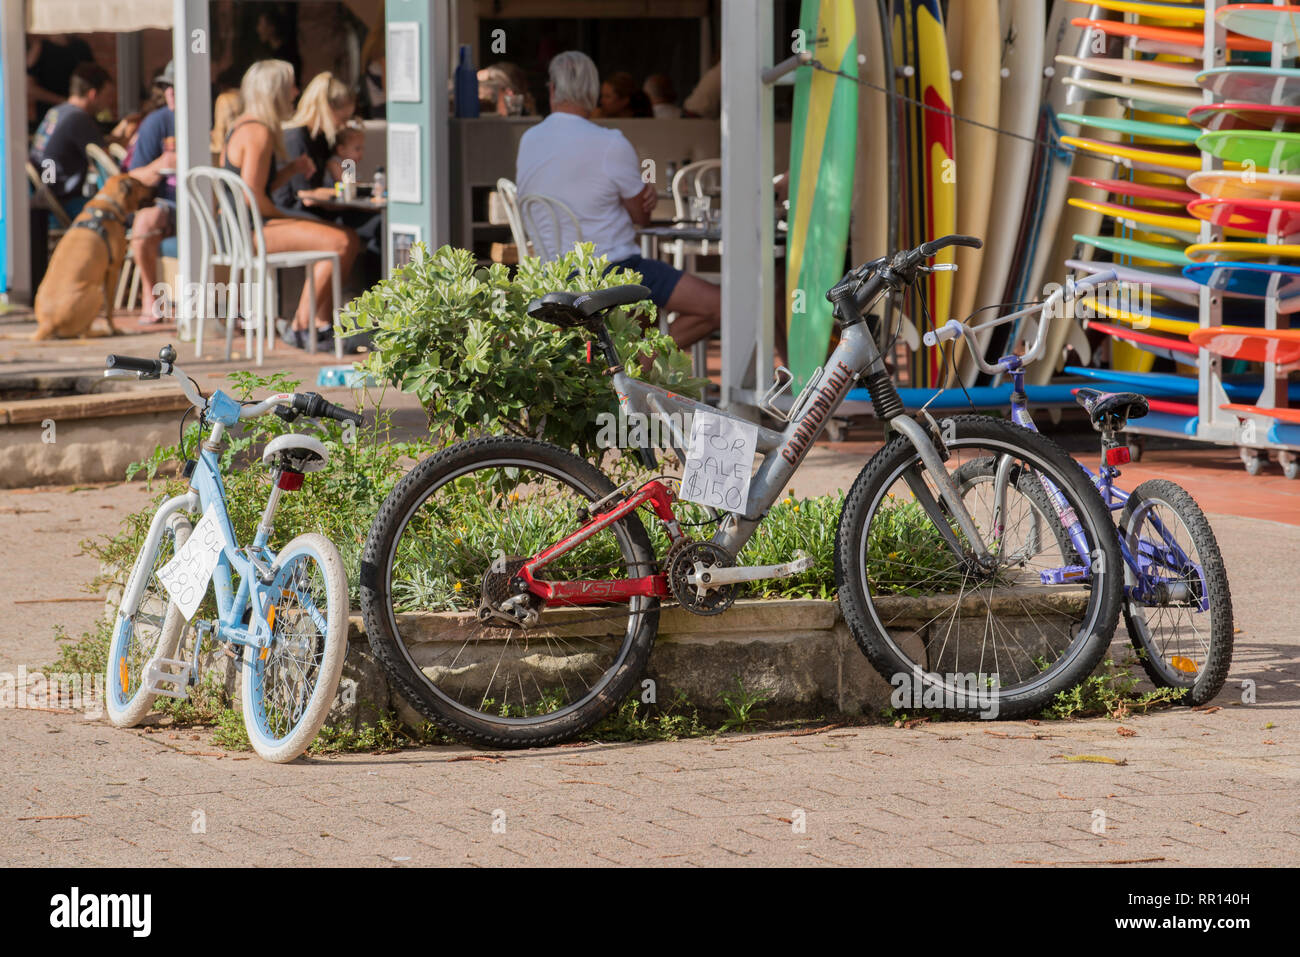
(999, 637)
(289, 686)
(143, 634)
(1177, 605)
(483, 660)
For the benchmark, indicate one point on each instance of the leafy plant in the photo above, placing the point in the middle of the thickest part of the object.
(1111, 694)
(634, 721)
(744, 706)
(458, 337)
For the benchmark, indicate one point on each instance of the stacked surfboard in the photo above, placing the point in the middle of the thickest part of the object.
(1157, 198)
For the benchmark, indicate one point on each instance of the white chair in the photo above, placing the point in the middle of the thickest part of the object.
(535, 206)
(234, 238)
(510, 204)
(702, 178)
(695, 179)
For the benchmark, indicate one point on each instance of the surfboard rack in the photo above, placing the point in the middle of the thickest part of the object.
(1254, 433)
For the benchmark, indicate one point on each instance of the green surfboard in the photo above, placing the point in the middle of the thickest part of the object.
(1120, 246)
(823, 149)
(1267, 150)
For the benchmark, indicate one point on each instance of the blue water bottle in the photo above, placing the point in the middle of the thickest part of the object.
(466, 85)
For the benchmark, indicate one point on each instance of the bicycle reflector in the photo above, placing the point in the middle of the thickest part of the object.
(1118, 455)
(291, 481)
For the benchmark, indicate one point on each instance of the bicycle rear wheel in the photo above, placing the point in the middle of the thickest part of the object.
(437, 592)
(948, 632)
(1177, 604)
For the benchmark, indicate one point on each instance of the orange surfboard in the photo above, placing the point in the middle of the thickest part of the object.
(1193, 39)
(1282, 415)
(1281, 346)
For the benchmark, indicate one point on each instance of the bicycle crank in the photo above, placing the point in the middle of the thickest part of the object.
(704, 578)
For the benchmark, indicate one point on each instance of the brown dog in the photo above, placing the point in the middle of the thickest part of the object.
(85, 267)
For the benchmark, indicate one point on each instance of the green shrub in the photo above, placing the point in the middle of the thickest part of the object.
(458, 337)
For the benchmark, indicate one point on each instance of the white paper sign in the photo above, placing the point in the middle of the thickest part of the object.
(402, 68)
(719, 462)
(187, 575)
(404, 162)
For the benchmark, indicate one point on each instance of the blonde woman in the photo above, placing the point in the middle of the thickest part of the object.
(254, 149)
(225, 111)
(323, 109)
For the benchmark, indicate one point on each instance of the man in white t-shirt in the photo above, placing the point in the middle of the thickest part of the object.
(595, 172)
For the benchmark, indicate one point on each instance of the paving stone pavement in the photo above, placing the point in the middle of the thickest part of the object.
(1195, 787)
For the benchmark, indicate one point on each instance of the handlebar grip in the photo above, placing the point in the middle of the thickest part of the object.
(933, 246)
(1096, 279)
(949, 330)
(133, 364)
(315, 407)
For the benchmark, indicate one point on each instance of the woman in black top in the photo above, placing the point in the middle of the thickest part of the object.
(255, 150)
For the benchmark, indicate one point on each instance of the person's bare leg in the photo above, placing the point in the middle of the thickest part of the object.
(698, 305)
(346, 247)
(283, 235)
(146, 241)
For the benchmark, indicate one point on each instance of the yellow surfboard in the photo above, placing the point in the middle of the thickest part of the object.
(1241, 252)
(1160, 160)
(1178, 327)
(1165, 12)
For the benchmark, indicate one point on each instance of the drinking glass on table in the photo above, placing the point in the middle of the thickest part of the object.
(700, 209)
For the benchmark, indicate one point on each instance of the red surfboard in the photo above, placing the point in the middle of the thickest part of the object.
(1125, 187)
(1246, 116)
(1259, 216)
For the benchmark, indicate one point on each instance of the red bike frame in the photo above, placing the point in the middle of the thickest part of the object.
(660, 498)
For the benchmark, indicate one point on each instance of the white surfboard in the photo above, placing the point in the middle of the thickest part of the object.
(1023, 28)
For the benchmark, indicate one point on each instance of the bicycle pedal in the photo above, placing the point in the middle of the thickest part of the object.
(1065, 575)
(157, 680)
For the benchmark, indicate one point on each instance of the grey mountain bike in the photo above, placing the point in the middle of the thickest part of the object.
(513, 592)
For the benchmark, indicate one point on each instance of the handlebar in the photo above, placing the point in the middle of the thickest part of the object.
(1071, 291)
(301, 403)
(853, 294)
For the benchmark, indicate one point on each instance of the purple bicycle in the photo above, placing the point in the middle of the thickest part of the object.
(1177, 604)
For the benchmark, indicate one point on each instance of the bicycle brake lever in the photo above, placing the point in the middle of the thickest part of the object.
(287, 412)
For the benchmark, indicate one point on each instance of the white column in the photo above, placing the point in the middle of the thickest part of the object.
(747, 221)
(17, 238)
(192, 52)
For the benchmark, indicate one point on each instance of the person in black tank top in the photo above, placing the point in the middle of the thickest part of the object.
(254, 150)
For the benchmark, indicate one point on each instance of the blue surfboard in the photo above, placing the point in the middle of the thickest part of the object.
(1168, 384)
(984, 396)
(1250, 279)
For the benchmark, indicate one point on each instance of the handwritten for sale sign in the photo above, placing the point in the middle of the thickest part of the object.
(719, 462)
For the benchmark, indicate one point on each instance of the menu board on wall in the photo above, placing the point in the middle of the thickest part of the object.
(402, 64)
(404, 162)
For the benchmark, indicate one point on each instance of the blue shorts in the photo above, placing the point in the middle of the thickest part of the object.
(656, 275)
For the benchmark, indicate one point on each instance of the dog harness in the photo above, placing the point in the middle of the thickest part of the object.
(95, 223)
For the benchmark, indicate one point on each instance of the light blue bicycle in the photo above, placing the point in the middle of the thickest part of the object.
(289, 610)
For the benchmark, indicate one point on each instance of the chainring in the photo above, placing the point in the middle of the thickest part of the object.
(680, 562)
